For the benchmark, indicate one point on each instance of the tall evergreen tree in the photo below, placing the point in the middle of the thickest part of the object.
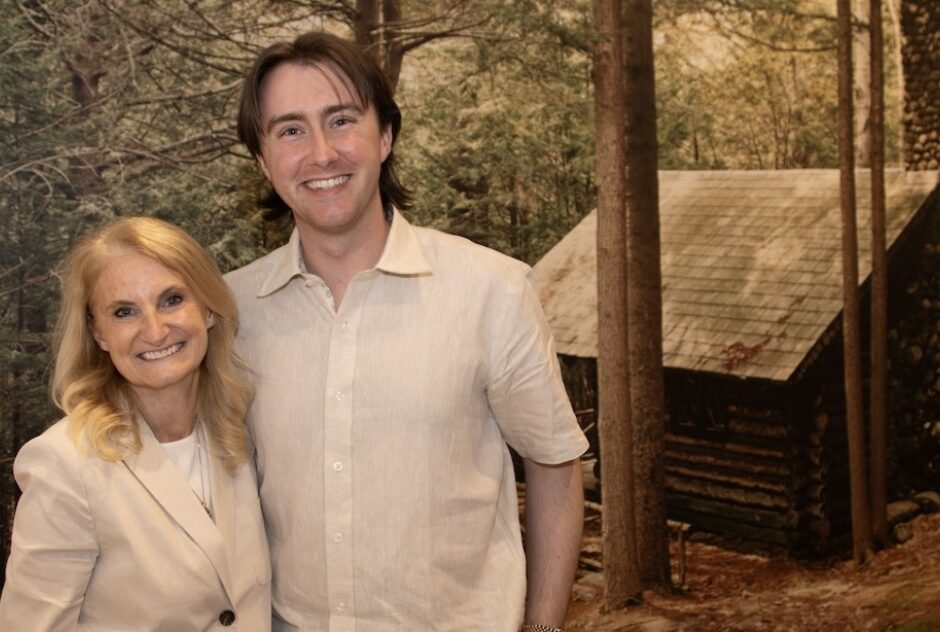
(879, 287)
(615, 425)
(861, 517)
(645, 301)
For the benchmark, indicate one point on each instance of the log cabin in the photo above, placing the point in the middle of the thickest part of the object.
(752, 347)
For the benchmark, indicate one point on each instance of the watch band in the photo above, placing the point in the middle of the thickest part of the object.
(538, 627)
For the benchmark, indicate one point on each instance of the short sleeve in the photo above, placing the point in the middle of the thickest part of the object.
(524, 387)
(54, 547)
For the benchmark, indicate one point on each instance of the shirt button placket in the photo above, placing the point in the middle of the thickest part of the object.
(337, 461)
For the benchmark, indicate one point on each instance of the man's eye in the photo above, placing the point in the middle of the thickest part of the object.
(290, 131)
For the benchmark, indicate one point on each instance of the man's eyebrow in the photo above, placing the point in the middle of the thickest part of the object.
(282, 118)
(340, 107)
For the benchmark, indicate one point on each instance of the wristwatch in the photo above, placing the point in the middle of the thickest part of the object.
(538, 627)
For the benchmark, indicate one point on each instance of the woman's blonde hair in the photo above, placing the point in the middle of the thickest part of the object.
(87, 386)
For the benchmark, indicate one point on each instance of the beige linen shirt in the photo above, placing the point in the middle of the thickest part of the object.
(381, 432)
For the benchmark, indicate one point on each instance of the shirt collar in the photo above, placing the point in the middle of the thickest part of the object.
(286, 266)
(401, 256)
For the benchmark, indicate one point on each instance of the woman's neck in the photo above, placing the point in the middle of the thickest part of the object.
(170, 412)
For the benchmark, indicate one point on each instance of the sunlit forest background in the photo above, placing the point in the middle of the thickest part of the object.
(123, 107)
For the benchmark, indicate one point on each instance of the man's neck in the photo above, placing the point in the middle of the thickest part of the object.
(338, 257)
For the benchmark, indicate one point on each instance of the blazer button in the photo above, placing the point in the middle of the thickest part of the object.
(226, 617)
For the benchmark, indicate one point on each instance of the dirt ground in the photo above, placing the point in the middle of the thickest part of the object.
(734, 586)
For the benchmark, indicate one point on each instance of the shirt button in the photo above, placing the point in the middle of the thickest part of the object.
(341, 606)
(338, 538)
(339, 396)
(226, 617)
(345, 325)
(338, 466)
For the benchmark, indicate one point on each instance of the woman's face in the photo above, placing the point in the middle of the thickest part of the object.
(150, 322)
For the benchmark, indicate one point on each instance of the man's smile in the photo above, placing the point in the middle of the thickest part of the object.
(329, 183)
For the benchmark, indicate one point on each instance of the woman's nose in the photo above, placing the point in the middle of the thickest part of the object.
(155, 328)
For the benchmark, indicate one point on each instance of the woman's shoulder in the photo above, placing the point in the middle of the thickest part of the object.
(55, 443)
(54, 435)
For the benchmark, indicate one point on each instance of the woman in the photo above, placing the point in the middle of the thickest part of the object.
(140, 509)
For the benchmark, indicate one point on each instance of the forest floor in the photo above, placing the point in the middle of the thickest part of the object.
(730, 585)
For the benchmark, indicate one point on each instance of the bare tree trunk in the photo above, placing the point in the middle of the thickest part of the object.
(861, 42)
(621, 577)
(861, 518)
(879, 289)
(365, 23)
(87, 66)
(392, 51)
(375, 28)
(645, 298)
(894, 10)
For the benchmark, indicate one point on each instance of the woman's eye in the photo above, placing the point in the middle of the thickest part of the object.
(174, 299)
(123, 312)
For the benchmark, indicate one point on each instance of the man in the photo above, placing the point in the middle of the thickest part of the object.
(394, 365)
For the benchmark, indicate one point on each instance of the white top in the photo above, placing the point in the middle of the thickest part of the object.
(381, 431)
(192, 460)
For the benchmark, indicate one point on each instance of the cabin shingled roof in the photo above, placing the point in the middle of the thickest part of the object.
(751, 266)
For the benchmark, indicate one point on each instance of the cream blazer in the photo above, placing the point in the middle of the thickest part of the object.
(127, 547)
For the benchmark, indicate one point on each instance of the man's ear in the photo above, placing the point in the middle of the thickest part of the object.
(386, 142)
(264, 167)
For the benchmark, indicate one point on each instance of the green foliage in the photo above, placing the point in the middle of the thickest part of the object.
(501, 151)
(749, 84)
(746, 89)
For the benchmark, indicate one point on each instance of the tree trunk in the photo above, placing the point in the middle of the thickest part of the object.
(879, 289)
(392, 51)
(862, 45)
(861, 518)
(365, 23)
(621, 577)
(87, 65)
(375, 28)
(894, 10)
(644, 301)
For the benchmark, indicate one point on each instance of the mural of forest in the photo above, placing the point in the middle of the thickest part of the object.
(121, 107)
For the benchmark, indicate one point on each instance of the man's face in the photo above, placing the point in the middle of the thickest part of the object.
(321, 150)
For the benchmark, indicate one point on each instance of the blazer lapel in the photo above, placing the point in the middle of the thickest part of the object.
(223, 499)
(166, 484)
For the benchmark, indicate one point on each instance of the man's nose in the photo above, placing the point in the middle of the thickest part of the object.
(320, 150)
